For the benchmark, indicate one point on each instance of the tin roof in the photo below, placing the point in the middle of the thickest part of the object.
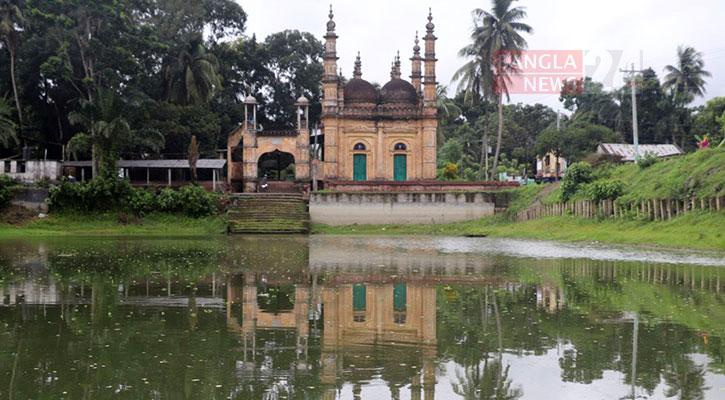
(626, 151)
(201, 164)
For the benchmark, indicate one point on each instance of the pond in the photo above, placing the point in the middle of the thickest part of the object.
(326, 317)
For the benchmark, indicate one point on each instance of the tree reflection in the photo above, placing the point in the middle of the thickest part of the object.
(492, 381)
(685, 379)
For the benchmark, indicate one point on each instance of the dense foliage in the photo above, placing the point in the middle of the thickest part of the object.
(6, 192)
(115, 194)
(136, 79)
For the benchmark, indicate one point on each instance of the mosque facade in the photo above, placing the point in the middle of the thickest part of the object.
(380, 135)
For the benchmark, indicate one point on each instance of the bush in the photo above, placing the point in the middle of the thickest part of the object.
(168, 200)
(196, 201)
(6, 191)
(576, 175)
(100, 194)
(601, 190)
(141, 202)
(648, 160)
(450, 172)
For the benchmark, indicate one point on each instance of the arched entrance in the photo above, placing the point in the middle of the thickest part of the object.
(277, 166)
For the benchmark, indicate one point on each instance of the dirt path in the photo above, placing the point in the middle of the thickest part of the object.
(544, 192)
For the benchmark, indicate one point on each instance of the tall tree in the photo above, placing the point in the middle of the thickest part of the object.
(494, 32)
(104, 121)
(7, 125)
(11, 20)
(686, 79)
(191, 76)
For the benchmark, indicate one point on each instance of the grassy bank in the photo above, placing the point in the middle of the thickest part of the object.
(693, 231)
(111, 224)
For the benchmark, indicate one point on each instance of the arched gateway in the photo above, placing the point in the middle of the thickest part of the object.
(252, 152)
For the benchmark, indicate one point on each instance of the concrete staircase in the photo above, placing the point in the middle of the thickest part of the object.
(268, 213)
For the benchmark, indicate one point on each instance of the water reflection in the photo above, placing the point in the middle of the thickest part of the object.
(274, 318)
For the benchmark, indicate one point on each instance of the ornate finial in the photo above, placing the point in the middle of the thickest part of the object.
(392, 70)
(331, 23)
(416, 48)
(396, 66)
(429, 26)
(357, 73)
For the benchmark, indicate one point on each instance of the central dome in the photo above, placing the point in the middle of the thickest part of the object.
(359, 90)
(398, 91)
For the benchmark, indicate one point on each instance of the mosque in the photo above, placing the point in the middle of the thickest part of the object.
(371, 136)
(388, 135)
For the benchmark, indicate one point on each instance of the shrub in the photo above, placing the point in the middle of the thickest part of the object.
(601, 190)
(168, 200)
(66, 196)
(196, 201)
(450, 172)
(576, 175)
(6, 191)
(100, 194)
(141, 202)
(648, 160)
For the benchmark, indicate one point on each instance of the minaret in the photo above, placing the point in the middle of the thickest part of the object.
(430, 112)
(429, 85)
(330, 77)
(396, 67)
(415, 77)
(340, 91)
(357, 72)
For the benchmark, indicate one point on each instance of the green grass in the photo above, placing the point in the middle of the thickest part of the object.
(692, 231)
(103, 224)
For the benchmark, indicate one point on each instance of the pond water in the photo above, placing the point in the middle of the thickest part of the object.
(270, 317)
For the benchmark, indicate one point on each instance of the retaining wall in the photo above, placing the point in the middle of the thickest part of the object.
(33, 199)
(403, 208)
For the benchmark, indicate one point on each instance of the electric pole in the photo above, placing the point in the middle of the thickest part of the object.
(635, 133)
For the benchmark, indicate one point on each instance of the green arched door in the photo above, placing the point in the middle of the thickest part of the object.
(400, 167)
(359, 167)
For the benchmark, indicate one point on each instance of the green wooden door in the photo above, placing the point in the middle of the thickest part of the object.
(400, 297)
(359, 298)
(400, 167)
(360, 167)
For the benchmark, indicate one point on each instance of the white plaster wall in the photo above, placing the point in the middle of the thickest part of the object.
(397, 209)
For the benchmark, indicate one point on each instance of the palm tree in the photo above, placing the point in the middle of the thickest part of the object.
(105, 124)
(494, 32)
(447, 109)
(686, 80)
(191, 76)
(7, 125)
(11, 18)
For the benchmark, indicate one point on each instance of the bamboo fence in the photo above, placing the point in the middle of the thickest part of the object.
(652, 209)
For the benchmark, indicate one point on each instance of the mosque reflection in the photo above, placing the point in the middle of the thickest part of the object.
(326, 316)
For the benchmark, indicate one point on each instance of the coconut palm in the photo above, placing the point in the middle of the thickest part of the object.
(447, 110)
(7, 125)
(191, 76)
(105, 125)
(496, 31)
(686, 80)
(11, 19)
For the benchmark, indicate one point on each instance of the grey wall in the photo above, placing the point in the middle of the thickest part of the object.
(33, 199)
(399, 208)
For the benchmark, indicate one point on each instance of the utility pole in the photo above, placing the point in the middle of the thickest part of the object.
(635, 133)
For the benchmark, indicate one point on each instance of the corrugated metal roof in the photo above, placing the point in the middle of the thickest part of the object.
(626, 151)
(212, 163)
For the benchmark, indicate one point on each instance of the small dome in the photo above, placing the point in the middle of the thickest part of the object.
(359, 90)
(250, 100)
(398, 91)
(302, 101)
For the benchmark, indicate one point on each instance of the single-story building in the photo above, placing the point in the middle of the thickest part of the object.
(171, 173)
(626, 151)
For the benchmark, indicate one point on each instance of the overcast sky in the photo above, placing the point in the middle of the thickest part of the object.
(647, 32)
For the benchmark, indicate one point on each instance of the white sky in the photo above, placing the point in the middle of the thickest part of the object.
(649, 30)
